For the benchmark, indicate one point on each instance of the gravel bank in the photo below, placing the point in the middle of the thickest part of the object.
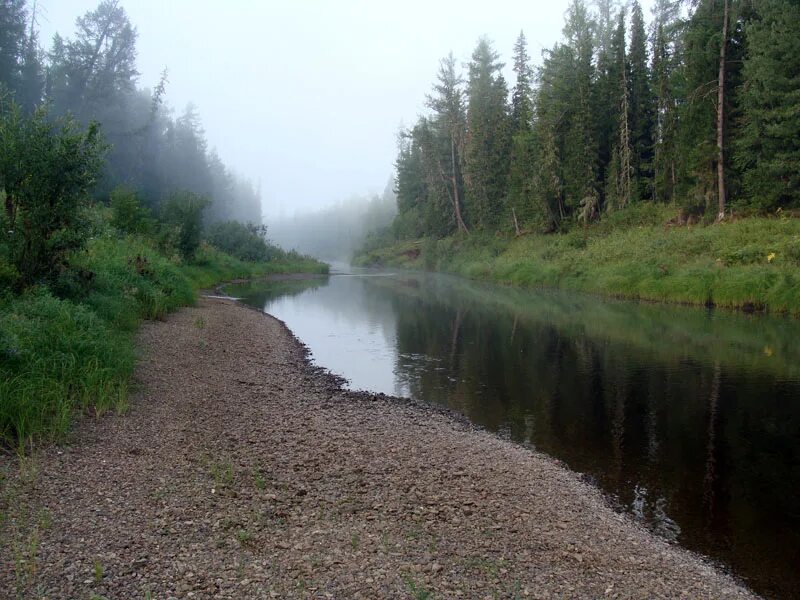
(242, 472)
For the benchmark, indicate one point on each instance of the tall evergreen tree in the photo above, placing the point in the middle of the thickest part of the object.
(666, 74)
(641, 108)
(522, 156)
(619, 181)
(713, 45)
(604, 92)
(549, 133)
(488, 138)
(768, 150)
(580, 155)
(522, 95)
(31, 85)
(12, 41)
(448, 105)
(91, 72)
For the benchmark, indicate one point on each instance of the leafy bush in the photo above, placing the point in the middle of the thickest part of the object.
(46, 170)
(245, 242)
(183, 215)
(128, 215)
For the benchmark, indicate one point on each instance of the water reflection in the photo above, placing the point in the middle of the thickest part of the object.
(689, 418)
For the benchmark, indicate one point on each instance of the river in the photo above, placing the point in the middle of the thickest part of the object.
(688, 419)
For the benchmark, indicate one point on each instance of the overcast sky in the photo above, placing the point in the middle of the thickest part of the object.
(307, 96)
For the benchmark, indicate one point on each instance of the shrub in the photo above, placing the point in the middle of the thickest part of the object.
(46, 170)
(128, 215)
(245, 242)
(183, 215)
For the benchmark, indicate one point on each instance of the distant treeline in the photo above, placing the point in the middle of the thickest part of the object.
(93, 77)
(336, 232)
(700, 109)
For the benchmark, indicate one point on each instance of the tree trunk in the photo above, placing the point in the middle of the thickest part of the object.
(456, 200)
(721, 115)
(10, 210)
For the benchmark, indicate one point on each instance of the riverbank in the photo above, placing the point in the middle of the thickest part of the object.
(642, 253)
(68, 348)
(241, 471)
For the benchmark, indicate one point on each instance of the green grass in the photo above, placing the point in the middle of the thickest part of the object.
(69, 349)
(751, 263)
(213, 266)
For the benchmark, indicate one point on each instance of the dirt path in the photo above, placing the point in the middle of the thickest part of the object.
(241, 472)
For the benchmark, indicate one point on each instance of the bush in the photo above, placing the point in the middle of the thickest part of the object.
(47, 168)
(182, 214)
(245, 242)
(128, 215)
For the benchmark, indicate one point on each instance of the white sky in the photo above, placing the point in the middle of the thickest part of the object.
(307, 96)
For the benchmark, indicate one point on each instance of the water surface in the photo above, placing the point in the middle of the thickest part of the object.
(688, 418)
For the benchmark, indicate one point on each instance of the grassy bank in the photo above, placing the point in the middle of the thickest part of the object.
(69, 348)
(751, 263)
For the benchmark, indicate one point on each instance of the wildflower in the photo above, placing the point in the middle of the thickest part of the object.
(770, 257)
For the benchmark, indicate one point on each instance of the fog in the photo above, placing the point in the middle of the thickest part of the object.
(306, 98)
(335, 232)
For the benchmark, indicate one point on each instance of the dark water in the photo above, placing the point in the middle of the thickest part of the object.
(689, 419)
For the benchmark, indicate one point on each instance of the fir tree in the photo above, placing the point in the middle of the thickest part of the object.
(641, 108)
(666, 63)
(448, 105)
(488, 139)
(12, 41)
(768, 150)
(580, 148)
(523, 156)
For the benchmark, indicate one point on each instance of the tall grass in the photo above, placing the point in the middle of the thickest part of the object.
(751, 263)
(212, 266)
(56, 357)
(70, 349)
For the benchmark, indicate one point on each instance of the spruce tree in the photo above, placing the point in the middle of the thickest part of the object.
(522, 96)
(523, 155)
(12, 42)
(666, 77)
(580, 156)
(488, 139)
(641, 108)
(768, 150)
(604, 93)
(712, 66)
(448, 106)
(31, 83)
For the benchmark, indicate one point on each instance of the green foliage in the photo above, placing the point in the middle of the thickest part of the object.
(769, 147)
(245, 242)
(183, 211)
(488, 145)
(633, 253)
(56, 357)
(62, 356)
(212, 266)
(46, 169)
(128, 215)
(616, 118)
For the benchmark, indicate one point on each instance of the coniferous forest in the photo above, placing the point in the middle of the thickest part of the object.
(91, 76)
(698, 109)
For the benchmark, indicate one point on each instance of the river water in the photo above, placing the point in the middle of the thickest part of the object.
(689, 419)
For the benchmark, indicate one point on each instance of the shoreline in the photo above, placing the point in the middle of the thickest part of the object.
(745, 265)
(297, 487)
